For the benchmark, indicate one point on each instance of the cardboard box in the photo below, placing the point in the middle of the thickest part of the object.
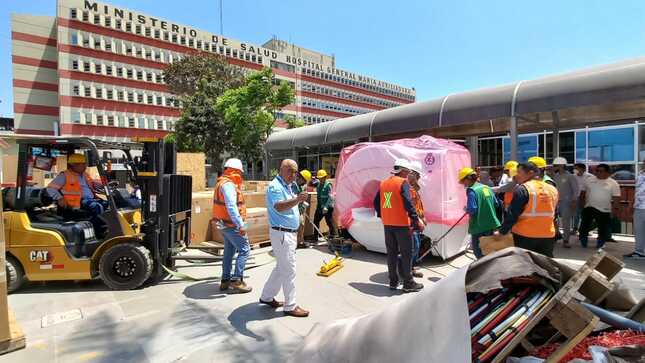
(257, 226)
(255, 199)
(193, 164)
(202, 213)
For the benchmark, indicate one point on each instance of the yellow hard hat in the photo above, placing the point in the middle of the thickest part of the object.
(306, 174)
(512, 172)
(321, 173)
(511, 164)
(465, 172)
(76, 159)
(538, 161)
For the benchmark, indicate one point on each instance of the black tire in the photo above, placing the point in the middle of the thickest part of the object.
(125, 266)
(15, 274)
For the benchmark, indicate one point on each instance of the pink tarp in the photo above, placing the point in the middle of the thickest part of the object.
(363, 166)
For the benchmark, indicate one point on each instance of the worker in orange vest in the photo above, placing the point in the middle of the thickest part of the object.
(530, 215)
(507, 183)
(229, 214)
(75, 189)
(396, 209)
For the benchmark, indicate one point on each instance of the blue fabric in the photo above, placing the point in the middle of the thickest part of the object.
(230, 200)
(474, 243)
(279, 191)
(233, 242)
(471, 203)
(94, 206)
(416, 246)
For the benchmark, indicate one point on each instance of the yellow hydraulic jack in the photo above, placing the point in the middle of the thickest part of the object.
(328, 268)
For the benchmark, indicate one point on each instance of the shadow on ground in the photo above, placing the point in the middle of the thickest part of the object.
(379, 290)
(245, 314)
(206, 290)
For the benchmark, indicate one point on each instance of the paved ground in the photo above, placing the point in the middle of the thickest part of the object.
(191, 321)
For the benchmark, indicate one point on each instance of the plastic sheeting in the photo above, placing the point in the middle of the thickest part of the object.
(363, 166)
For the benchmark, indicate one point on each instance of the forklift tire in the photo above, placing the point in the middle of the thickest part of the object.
(15, 274)
(125, 266)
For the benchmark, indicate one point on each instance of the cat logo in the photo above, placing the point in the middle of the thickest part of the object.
(38, 256)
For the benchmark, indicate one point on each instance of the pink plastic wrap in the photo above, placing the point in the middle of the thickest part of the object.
(363, 166)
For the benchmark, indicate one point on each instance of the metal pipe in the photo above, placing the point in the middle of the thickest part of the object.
(614, 319)
(556, 133)
(513, 128)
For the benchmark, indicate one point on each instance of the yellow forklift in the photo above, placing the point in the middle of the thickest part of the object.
(127, 245)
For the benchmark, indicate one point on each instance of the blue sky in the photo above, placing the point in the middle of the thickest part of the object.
(438, 47)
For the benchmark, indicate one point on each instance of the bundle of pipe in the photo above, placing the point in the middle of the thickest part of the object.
(499, 315)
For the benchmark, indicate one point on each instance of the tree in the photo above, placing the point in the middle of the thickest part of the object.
(293, 122)
(248, 112)
(183, 77)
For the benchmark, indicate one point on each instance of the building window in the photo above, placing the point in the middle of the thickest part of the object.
(76, 117)
(567, 146)
(97, 20)
(108, 22)
(581, 146)
(119, 95)
(74, 38)
(86, 66)
(149, 77)
(99, 120)
(119, 72)
(140, 97)
(527, 147)
(110, 120)
(149, 99)
(130, 97)
(98, 68)
(72, 13)
(157, 34)
(183, 40)
(147, 32)
(117, 23)
(99, 93)
(191, 43)
(76, 91)
(137, 29)
(75, 65)
(108, 45)
(611, 145)
(142, 123)
(166, 36)
(128, 49)
(121, 120)
(159, 100)
(88, 118)
(86, 16)
(160, 124)
(148, 54)
(109, 93)
(128, 27)
(131, 122)
(129, 73)
(87, 91)
(108, 70)
(140, 75)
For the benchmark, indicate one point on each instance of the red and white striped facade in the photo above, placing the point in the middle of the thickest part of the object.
(96, 70)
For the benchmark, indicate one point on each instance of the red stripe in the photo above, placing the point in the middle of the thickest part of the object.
(34, 62)
(82, 76)
(33, 38)
(82, 102)
(75, 24)
(91, 130)
(74, 49)
(58, 267)
(33, 132)
(316, 111)
(339, 100)
(35, 85)
(35, 109)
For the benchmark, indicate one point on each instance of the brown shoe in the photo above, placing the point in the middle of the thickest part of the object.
(273, 303)
(240, 287)
(417, 274)
(224, 285)
(298, 312)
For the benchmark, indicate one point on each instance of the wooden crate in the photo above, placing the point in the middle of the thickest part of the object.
(568, 317)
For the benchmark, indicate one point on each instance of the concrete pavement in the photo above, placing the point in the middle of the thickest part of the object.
(191, 321)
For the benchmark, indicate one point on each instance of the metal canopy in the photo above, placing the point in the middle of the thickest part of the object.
(602, 85)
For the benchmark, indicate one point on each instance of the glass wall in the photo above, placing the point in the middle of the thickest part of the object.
(527, 147)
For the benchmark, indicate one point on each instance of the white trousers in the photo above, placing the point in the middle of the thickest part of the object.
(284, 273)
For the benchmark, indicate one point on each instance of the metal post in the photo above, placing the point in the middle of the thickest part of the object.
(513, 125)
(221, 17)
(473, 147)
(556, 133)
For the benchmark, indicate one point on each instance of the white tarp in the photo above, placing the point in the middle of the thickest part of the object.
(430, 326)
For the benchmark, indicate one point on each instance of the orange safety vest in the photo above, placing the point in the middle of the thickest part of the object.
(71, 190)
(536, 221)
(416, 200)
(508, 198)
(220, 213)
(393, 212)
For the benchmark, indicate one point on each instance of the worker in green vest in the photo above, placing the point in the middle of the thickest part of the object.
(481, 207)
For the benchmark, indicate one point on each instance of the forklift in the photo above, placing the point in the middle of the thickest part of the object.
(130, 244)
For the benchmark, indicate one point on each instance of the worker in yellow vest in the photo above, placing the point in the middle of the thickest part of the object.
(395, 207)
(531, 212)
(229, 213)
(75, 189)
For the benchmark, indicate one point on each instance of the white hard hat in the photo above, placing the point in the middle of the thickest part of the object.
(560, 161)
(416, 166)
(400, 163)
(234, 163)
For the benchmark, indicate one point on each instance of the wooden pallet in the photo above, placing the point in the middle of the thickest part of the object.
(564, 313)
(17, 337)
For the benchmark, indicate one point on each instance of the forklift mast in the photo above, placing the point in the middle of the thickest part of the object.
(165, 202)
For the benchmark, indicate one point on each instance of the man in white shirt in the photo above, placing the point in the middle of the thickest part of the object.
(581, 174)
(639, 217)
(600, 194)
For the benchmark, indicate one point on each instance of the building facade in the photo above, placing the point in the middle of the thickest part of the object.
(96, 70)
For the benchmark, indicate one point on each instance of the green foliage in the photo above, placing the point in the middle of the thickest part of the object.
(248, 112)
(183, 77)
(293, 122)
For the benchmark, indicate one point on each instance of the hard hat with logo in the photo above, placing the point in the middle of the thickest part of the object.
(416, 167)
(76, 159)
(538, 161)
(511, 164)
(321, 174)
(234, 163)
(306, 174)
(465, 172)
(560, 161)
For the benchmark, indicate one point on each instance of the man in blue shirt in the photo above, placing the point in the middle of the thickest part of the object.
(284, 219)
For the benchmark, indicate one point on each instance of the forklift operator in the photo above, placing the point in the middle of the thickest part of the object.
(75, 189)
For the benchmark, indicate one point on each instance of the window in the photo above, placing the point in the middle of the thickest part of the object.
(131, 122)
(140, 97)
(159, 100)
(87, 91)
(97, 20)
(191, 43)
(142, 123)
(110, 120)
(581, 146)
(99, 120)
(76, 91)
(119, 95)
(72, 13)
(108, 22)
(76, 117)
(119, 72)
(98, 68)
(140, 75)
(147, 32)
(129, 73)
(130, 97)
(157, 34)
(148, 54)
(174, 38)
(149, 99)
(74, 38)
(121, 121)
(567, 149)
(86, 16)
(128, 49)
(88, 118)
(108, 70)
(117, 24)
(97, 43)
(527, 147)
(99, 93)
(149, 77)
(128, 27)
(166, 36)
(108, 45)
(160, 124)
(75, 65)
(86, 66)
(137, 29)
(183, 40)
(611, 145)
(109, 94)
